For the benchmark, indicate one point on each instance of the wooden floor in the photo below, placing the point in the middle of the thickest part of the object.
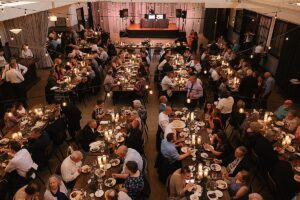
(136, 27)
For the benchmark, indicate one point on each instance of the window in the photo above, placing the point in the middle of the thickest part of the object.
(263, 29)
(238, 21)
(278, 38)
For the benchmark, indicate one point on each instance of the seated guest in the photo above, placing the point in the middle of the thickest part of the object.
(20, 110)
(112, 194)
(238, 163)
(140, 87)
(137, 105)
(134, 116)
(169, 151)
(167, 84)
(109, 82)
(58, 69)
(215, 122)
(99, 111)
(21, 163)
(163, 62)
(255, 196)
(261, 146)
(197, 66)
(143, 70)
(291, 121)
(134, 137)
(91, 73)
(28, 192)
(208, 110)
(128, 154)
(163, 118)
(88, 135)
(194, 91)
(221, 147)
(55, 189)
(177, 186)
(297, 133)
(283, 110)
(26, 52)
(71, 168)
(134, 183)
(238, 185)
(103, 55)
(167, 66)
(37, 144)
(10, 120)
(163, 100)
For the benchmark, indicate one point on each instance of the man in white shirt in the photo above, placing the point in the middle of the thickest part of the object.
(71, 168)
(14, 76)
(21, 162)
(225, 105)
(163, 118)
(103, 54)
(26, 52)
(214, 74)
(162, 63)
(167, 84)
(197, 66)
(2, 59)
(128, 154)
(19, 67)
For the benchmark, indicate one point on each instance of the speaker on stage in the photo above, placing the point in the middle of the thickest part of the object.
(183, 14)
(178, 13)
(125, 12)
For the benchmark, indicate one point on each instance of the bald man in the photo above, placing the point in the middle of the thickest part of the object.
(128, 154)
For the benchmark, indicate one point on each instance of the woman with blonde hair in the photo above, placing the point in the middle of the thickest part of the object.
(55, 189)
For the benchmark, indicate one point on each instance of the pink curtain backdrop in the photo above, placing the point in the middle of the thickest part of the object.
(107, 14)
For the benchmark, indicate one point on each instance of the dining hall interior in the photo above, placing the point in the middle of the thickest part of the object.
(150, 100)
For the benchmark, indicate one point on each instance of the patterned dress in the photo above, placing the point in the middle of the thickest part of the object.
(134, 185)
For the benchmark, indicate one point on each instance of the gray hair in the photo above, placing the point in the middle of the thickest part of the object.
(58, 178)
(137, 103)
(255, 196)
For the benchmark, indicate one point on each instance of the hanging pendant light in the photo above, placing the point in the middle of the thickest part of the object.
(53, 18)
(15, 30)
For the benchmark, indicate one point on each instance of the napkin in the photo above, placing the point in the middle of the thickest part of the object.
(119, 135)
(104, 122)
(96, 144)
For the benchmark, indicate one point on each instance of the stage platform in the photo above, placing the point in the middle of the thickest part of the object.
(135, 31)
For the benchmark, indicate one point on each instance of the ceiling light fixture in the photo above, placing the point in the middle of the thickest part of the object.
(15, 30)
(52, 18)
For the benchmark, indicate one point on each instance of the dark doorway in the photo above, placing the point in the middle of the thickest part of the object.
(80, 16)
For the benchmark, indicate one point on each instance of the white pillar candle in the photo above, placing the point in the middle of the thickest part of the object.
(192, 116)
(199, 140)
(99, 161)
(104, 159)
(193, 139)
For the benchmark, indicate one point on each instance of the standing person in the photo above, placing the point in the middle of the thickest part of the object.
(13, 62)
(26, 52)
(194, 47)
(51, 82)
(16, 80)
(191, 38)
(194, 92)
(247, 88)
(225, 105)
(73, 116)
(268, 86)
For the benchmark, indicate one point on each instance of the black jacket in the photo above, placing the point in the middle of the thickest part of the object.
(87, 136)
(37, 148)
(248, 86)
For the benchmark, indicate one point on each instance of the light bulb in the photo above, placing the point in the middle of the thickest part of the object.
(188, 100)
(151, 92)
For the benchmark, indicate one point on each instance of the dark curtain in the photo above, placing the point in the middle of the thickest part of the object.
(209, 23)
(289, 62)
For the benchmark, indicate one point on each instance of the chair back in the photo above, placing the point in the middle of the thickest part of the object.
(69, 150)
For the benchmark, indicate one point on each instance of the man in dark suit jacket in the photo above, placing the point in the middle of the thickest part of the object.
(73, 116)
(247, 88)
(88, 135)
(234, 164)
(37, 144)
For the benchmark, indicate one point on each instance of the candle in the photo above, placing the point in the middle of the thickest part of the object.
(105, 134)
(205, 173)
(10, 114)
(151, 92)
(193, 139)
(147, 86)
(112, 117)
(19, 135)
(241, 110)
(199, 140)
(188, 100)
(269, 119)
(200, 168)
(192, 116)
(99, 161)
(265, 117)
(118, 83)
(104, 159)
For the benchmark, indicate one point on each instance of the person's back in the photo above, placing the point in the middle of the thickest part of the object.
(37, 148)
